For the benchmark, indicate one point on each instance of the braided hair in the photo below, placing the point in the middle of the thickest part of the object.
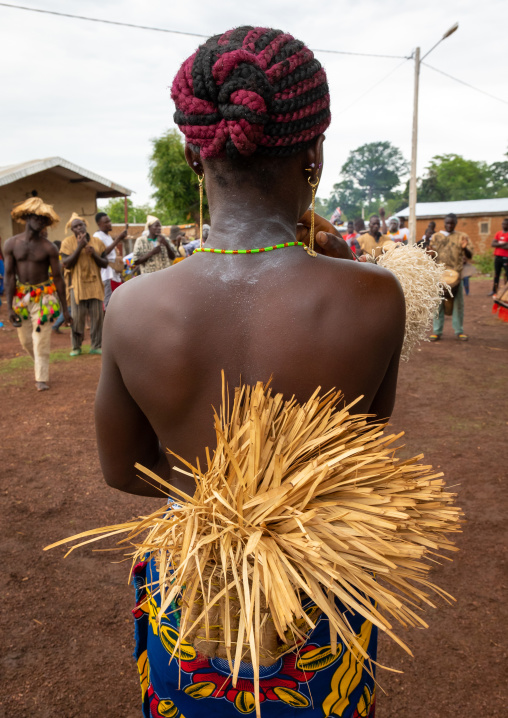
(251, 90)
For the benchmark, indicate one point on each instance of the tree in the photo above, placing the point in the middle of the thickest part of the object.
(323, 207)
(371, 173)
(451, 177)
(176, 185)
(499, 178)
(348, 197)
(115, 208)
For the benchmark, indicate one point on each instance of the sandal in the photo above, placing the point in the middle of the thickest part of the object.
(435, 337)
(462, 337)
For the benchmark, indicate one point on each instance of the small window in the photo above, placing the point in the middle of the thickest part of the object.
(484, 227)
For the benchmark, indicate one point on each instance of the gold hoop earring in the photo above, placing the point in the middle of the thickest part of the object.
(201, 179)
(314, 185)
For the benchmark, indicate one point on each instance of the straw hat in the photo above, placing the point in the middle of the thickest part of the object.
(74, 216)
(35, 205)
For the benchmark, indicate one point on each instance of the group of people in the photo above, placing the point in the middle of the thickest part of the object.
(448, 246)
(374, 238)
(253, 104)
(92, 270)
(83, 272)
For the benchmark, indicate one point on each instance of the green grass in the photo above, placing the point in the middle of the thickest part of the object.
(25, 362)
(484, 262)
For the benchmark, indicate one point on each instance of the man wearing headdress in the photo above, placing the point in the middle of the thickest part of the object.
(31, 294)
(111, 278)
(84, 257)
(153, 252)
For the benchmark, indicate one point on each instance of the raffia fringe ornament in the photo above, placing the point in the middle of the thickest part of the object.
(420, 277)
(297, 501)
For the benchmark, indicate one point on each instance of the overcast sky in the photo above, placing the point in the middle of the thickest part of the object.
(96, 94)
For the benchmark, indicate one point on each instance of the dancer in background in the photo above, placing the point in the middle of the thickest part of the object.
(31, 293)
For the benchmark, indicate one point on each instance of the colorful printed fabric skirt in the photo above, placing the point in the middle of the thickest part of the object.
(43, 296)
(313, 683)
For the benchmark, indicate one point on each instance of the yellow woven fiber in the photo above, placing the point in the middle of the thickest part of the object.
(297, 501)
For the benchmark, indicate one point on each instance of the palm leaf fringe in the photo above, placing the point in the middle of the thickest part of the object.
(297, 502)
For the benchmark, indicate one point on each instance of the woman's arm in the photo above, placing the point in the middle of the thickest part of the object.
(124, 434)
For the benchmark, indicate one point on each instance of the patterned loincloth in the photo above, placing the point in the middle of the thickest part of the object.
(312, 683)
(44, 295)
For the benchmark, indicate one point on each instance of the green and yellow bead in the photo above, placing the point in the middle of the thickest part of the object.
(213, 250)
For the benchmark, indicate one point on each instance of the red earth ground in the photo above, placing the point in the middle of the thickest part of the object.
(67, 634)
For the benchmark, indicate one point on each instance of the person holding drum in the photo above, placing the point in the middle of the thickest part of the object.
(450, 248)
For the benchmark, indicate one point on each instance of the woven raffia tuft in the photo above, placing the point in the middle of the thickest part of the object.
(34, 205)
(297, 502)
(420, 277)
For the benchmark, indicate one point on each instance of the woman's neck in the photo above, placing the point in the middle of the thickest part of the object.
(238, 225)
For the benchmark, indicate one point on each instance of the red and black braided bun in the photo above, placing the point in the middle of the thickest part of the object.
(250, 90)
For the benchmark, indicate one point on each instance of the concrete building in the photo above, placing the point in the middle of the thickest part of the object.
(479, 218)
(59, 182)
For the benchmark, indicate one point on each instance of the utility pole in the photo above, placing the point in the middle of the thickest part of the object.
(414, 147)
(414, 143)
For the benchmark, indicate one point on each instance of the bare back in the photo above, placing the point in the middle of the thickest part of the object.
(305, 322)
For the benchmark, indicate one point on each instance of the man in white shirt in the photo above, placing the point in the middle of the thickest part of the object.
(110, 277)
(395, 232)
(403, 229)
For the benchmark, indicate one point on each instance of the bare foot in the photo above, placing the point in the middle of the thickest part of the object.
(41, 386)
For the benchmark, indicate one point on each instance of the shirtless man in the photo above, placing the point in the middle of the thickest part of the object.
(28, 259)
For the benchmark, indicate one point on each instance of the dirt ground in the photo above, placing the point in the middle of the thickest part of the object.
(67, 634)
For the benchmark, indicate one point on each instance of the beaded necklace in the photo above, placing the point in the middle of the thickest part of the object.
(213, 250)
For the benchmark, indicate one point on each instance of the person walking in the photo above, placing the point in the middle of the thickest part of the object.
(451, 248)
(31, 292)
(111, 276)
(84, 257)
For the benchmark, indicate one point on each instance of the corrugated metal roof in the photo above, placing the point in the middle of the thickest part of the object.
(12, 173)
(461, 208)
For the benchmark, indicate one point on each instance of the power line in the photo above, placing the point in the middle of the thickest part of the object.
(163, 29)
(106, 22)
(363, 54)
(462, 82)
(367, 92)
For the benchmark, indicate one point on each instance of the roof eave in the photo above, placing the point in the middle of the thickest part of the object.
(111, 189)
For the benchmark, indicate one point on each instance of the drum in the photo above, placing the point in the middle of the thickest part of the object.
(450, 277)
